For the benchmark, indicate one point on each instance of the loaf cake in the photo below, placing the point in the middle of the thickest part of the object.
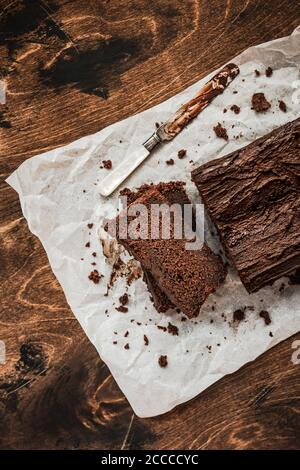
(253, 197)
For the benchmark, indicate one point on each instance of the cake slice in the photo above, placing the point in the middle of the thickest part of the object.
(253, 197)
(186, 277)
(175, 192)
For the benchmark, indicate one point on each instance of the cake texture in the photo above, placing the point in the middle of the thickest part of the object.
(253, 197)
(175, 192)
(186, 277)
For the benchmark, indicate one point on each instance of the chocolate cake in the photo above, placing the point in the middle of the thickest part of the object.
(161, 302)
(253, 197)
(186, 277)
(174, 191)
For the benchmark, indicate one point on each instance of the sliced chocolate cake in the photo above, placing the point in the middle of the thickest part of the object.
(185, 276)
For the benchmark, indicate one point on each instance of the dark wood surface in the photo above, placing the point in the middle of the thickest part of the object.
(72, 68)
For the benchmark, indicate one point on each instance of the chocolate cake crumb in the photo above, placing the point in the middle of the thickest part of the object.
(126, 346)
(266, 316)
(94, 254)
(90, 226)
(181, 153)
(124, 299)
(235, 108)
(224, 110)
(157, 125)
(126, 334)
(163, 328)
(170, 162)
(88, 244)
(269, 72)
(183, 319)
(257, 73)
(107, 164)
(146, 340)
(238, 315)
(136, 273)
(122, 309)
(163, 361)
(282, 106)
(172, 329)
(95, 276)
(220, 131)
(260, 103)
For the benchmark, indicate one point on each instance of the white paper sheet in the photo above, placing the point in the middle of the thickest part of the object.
(51, 189)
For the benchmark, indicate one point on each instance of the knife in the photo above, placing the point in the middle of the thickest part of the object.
(171, 128)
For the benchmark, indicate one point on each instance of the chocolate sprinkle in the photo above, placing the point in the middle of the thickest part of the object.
(282, 106)
(163, 328)
(146, 340)
(122, 309)
(269, 72)
(163, 361)
(239, 315)
(181, 153)
(260, 103)
(124, 299)
(172, 329)
(95, 276)
(107, 164)
(220, 131)
(266, 316)
(235, 108)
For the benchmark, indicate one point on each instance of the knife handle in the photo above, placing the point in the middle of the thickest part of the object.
(116, 177)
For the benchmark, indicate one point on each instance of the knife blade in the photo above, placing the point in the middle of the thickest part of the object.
(171, 128)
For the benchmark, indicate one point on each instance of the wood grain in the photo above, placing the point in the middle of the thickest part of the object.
(72, 68)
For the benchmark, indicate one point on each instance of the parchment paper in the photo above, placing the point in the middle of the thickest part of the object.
(59, 196)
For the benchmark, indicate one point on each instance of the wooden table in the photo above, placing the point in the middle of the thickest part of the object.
(72, 68)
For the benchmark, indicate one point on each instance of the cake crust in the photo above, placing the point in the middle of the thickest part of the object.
(253, 197)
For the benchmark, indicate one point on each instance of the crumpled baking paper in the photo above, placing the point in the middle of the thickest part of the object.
(59, 194)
